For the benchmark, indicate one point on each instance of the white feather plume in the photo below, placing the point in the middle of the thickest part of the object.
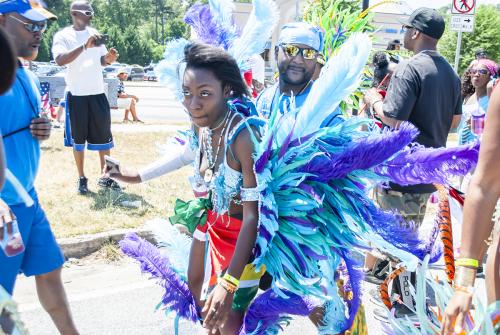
(172, 243)
(340, 77)
(257, 31)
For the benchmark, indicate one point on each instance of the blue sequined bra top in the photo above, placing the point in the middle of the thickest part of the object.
(226, 184)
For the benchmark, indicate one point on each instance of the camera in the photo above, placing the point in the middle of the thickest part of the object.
(102, 39)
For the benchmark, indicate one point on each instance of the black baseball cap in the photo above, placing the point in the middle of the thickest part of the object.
(427, 21)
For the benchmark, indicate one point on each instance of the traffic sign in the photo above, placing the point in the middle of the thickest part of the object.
(460, 22)
(464, 7)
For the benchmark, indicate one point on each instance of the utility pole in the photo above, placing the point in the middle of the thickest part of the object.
(162, 26)
(156, 20)
(366, 4)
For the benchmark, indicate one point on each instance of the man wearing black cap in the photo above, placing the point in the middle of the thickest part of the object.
(481, 53)
(22, 129)
(426, 92)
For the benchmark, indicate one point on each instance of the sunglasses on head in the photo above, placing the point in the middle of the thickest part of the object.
(479, 71)
(84, 12)
(292, 51)
(31, 27)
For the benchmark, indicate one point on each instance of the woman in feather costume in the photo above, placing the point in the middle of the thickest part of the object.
(313, 208)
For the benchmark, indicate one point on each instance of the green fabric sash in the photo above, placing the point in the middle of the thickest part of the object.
(191, 214)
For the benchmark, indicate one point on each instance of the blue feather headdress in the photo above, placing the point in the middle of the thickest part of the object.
(213, 24)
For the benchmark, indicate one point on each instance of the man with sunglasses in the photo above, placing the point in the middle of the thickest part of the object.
(425, 90)
(22, 130)
(297, 53)
(88, 118)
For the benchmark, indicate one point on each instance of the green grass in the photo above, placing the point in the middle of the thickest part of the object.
(71, 214)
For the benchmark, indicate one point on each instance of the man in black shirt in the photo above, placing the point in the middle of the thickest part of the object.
(425, 91)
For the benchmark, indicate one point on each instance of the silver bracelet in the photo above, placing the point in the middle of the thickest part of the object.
(250, 194)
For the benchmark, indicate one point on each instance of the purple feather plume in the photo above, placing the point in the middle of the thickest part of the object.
(362, 154)
(264, 157)
(177, 296)
(286, 143)
(207, 28)
(418, 165)
(271, 312)
(355, 278)
(352, 278)
(390, 226)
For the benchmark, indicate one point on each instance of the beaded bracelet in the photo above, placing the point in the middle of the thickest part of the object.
(231, 279)
(467, 262)
(230, 288)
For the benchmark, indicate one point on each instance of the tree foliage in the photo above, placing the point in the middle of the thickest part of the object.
(138, 29)
(486, 36)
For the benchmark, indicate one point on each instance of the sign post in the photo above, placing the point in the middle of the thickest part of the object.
(462, 20)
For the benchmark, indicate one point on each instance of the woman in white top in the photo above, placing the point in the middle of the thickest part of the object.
(476, 104)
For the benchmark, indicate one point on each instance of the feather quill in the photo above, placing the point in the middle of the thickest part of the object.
(418, 165)
(223, 11)
(177, 296)
(362, 154)
(212, 28)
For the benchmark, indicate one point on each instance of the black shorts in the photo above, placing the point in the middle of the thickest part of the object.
(88, 122)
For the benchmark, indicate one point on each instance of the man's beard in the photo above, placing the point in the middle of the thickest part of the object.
(306, 77)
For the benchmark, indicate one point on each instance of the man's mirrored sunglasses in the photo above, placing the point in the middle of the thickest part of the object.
(293, 50)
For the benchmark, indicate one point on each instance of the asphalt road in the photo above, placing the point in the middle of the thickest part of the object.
(111, 300)
(116, 299)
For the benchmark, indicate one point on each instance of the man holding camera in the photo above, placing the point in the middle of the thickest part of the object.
(88, 118)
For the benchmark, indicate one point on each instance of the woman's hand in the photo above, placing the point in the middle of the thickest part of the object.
(456, 312)
(217, 308)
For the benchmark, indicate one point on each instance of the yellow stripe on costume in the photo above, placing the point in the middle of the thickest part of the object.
(250, 276)
(359, 326)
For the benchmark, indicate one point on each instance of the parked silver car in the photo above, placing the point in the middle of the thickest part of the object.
(135, 73)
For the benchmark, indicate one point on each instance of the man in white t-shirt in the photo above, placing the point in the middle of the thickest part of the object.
(88, 118)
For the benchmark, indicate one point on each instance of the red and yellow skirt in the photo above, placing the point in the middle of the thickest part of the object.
(221, 232)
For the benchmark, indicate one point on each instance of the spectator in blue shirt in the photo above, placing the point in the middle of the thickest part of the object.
(297, 52)
(22, 129)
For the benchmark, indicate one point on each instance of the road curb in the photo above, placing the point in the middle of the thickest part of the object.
(84, 245)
